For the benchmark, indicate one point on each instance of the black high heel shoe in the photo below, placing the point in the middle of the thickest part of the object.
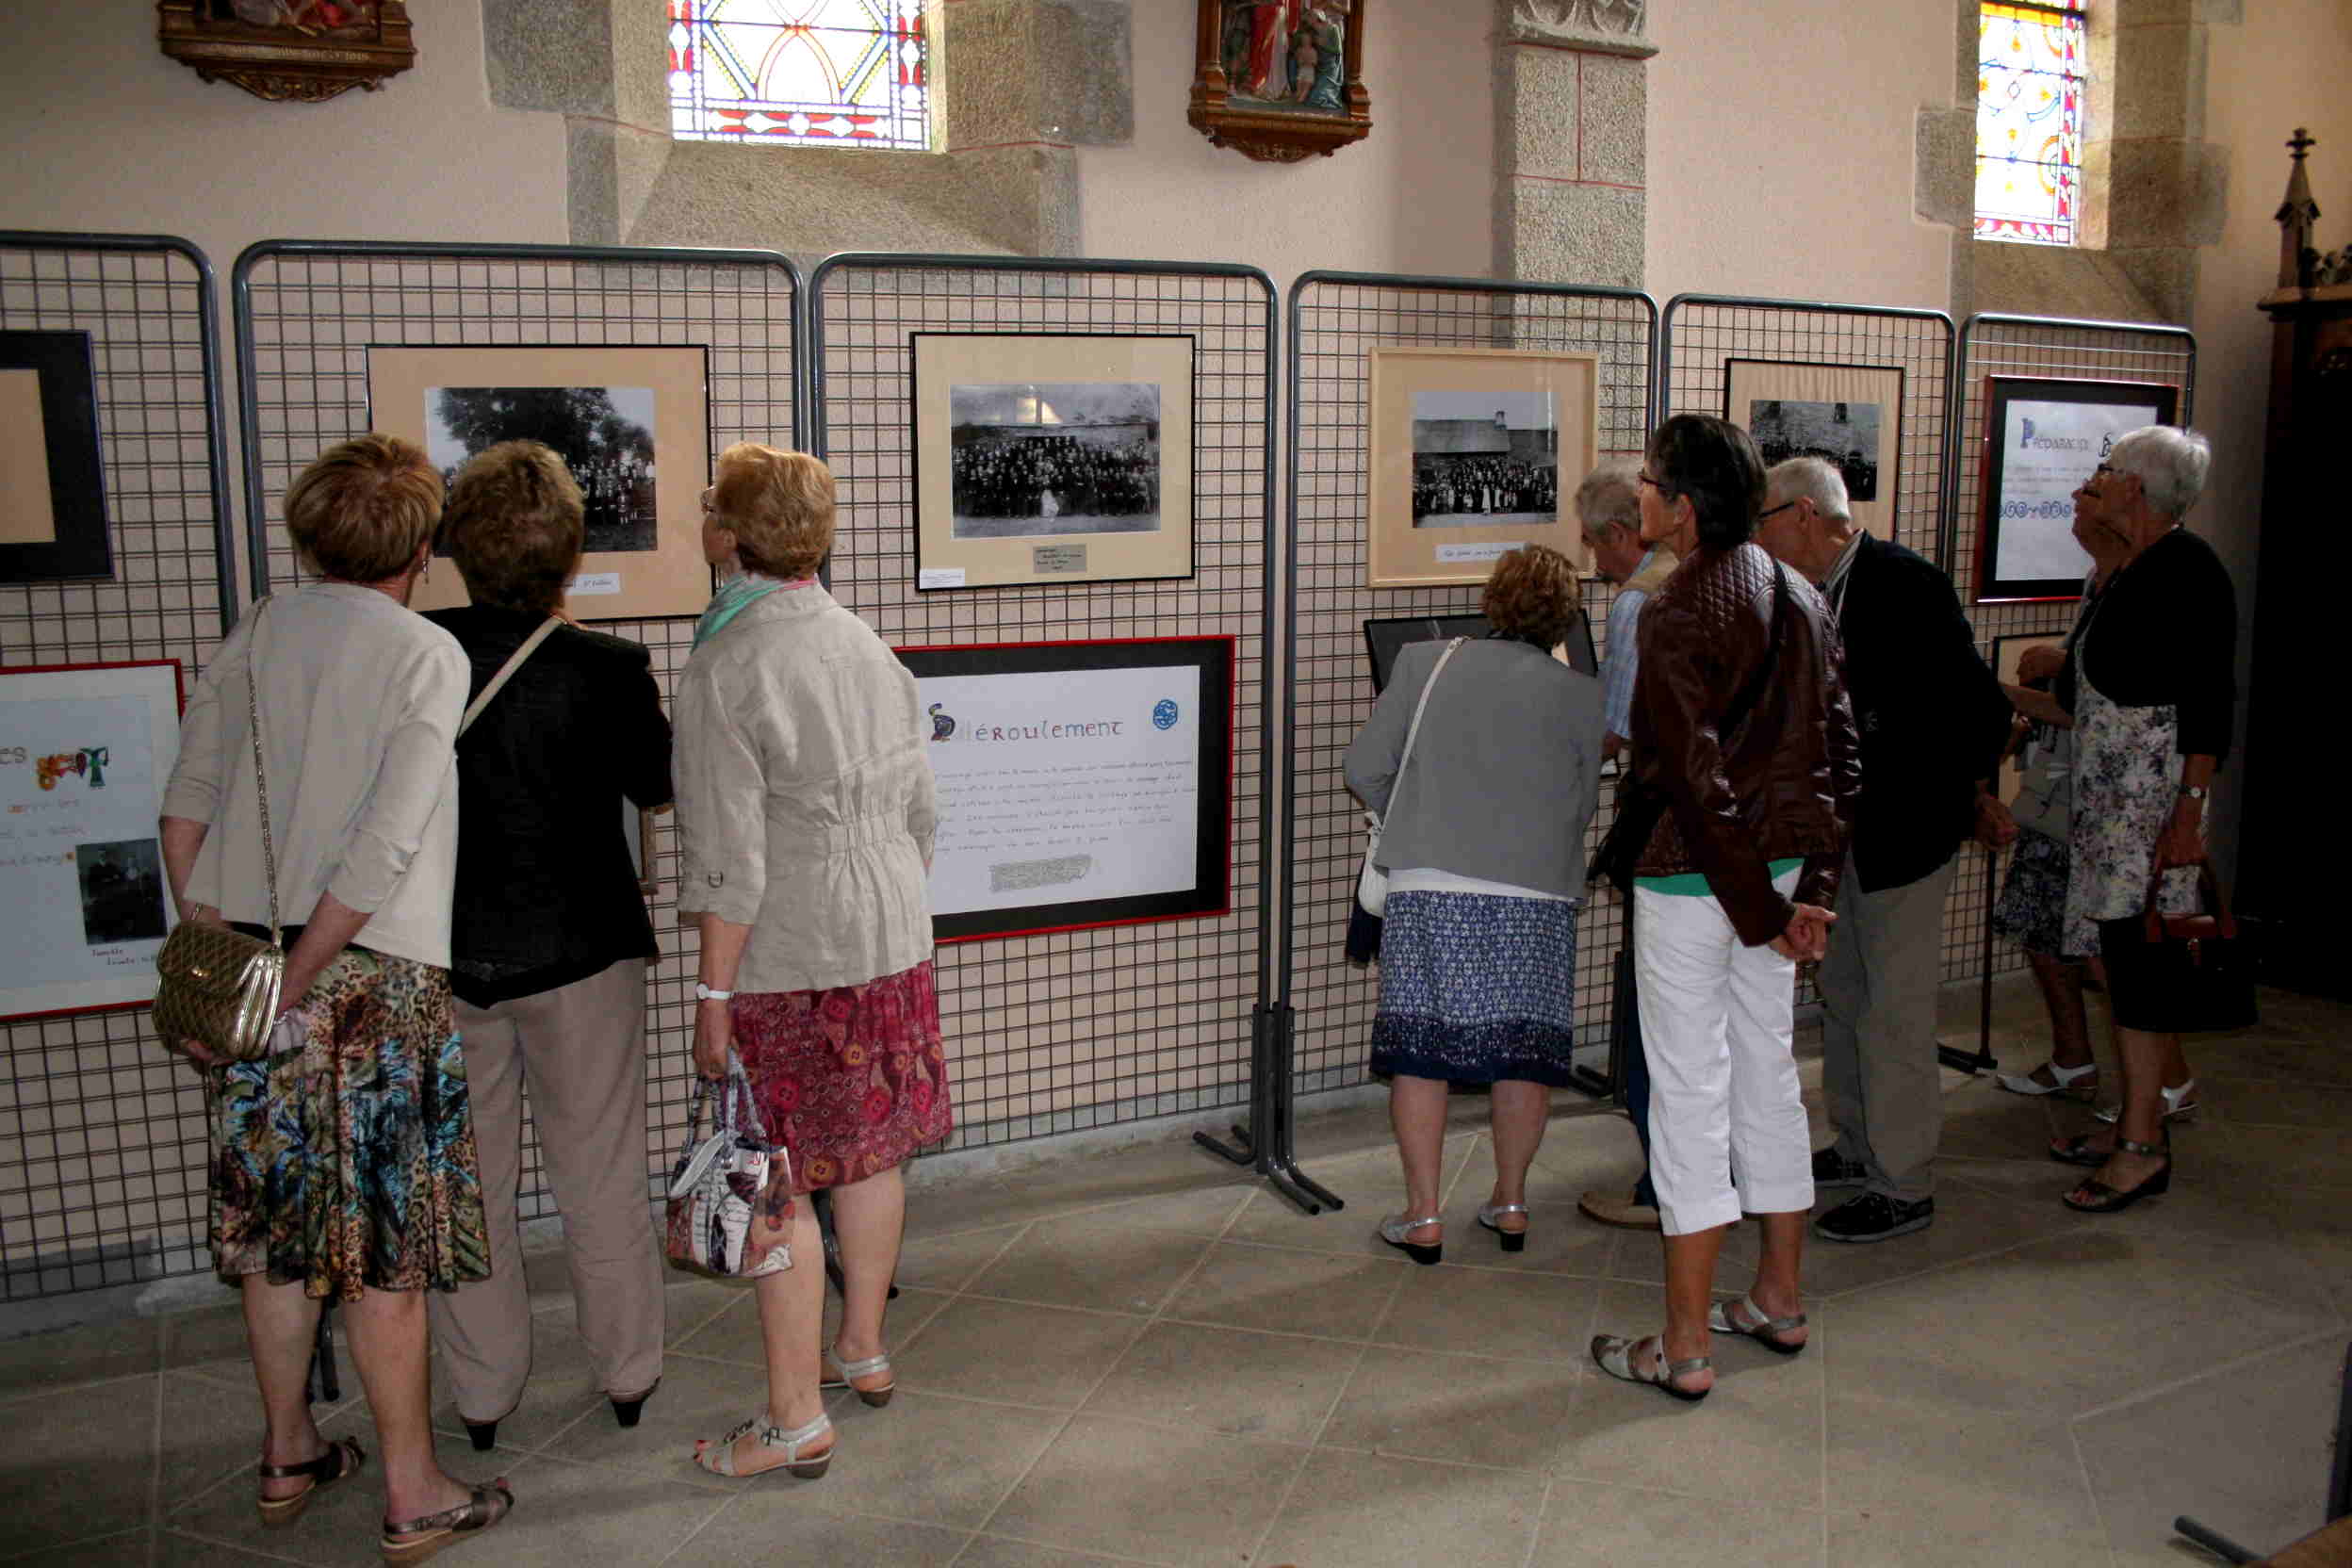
(2108, 1199)
(485, 1433)
(627, 1411)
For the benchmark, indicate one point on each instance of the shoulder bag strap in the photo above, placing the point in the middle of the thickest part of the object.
(1413, 729)
(261, 776)
(506, 671)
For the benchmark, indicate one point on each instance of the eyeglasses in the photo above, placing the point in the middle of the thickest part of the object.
(709, 501)
(1771, 510)
(1657, 484)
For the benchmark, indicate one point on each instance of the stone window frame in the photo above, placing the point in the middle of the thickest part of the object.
(1018, 86)
(2154, 190)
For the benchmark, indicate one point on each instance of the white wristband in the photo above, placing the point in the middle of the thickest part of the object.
(704, 994)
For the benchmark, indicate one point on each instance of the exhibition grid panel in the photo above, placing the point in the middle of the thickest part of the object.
(98, 1183)
(1006, 366)
(1841, 357)
(2052, 349)
(307, 313)
(1342, 325)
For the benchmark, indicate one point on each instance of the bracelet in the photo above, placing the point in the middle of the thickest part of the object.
(704, 994)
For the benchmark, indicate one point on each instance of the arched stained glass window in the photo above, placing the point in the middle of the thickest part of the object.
(2030, 82)
(806, 72)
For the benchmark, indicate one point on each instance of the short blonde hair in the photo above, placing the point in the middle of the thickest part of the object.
(779, 505)
(363, 510)
(514, 523)
(1532, 593)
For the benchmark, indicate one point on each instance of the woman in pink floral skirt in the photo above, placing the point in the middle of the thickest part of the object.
(804, 811)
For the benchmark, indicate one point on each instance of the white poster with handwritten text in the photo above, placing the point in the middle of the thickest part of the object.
(1064, 787)
(83, 906)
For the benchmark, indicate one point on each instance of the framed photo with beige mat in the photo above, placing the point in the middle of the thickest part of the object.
(1474, 453)
(1052, 458)
(1849, 414)
(53, 502)
(633, 424)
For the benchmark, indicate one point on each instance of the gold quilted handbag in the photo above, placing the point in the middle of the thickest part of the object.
(220, 986)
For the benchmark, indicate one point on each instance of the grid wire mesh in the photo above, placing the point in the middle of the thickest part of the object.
(1336, 321)
(1075, 1029)
(1703, 333)
(306, 315)
(98, 1184)
(2049, 348)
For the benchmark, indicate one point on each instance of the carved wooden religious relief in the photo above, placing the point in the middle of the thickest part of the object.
(306, 51)
(1280, 79)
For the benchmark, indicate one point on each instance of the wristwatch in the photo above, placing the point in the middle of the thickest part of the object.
(704, 994)
(2192, 791)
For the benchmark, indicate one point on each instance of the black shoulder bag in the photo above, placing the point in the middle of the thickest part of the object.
(1639, 809)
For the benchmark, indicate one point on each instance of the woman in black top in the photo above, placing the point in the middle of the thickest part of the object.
(2149, 683)
(550, 936)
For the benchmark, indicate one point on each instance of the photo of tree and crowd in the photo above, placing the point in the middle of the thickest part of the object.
(603, 433)
(1039, 458)
(1845, 433)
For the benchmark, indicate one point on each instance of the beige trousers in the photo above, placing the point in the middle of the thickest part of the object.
(583, 1049)
(1881, 1082)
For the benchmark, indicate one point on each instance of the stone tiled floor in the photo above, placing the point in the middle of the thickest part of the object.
(1141, 1359)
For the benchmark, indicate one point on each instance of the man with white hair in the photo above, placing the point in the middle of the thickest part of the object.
(1608, 510)
(1933, 721)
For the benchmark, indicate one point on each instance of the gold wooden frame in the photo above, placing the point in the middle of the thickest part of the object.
(1263, 130)
(306, 59)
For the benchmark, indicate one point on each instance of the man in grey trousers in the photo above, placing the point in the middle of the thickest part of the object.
(1933, 721)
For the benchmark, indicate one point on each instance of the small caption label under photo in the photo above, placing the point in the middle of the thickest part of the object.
(1057, 560)
(594, 582)
(1451, 553)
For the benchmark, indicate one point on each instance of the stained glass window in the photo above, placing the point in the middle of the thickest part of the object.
(803, 72)
(2029, 121)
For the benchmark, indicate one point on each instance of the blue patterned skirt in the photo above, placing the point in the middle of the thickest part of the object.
(1475, 988)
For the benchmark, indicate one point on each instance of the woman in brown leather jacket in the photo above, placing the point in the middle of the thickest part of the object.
(1744, 749)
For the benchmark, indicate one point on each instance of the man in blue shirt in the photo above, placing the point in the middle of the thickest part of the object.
(1608, 510)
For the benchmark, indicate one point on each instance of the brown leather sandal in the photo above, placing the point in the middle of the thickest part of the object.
(344, 1457)
(491, 1502)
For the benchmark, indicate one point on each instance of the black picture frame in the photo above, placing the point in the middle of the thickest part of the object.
(2046, 505)
(78, 548)
(1211, 893)
(1385, 637)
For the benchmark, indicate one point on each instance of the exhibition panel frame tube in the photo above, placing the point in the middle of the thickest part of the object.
(2057, 348)
(1338, 320)
(1813, 355)
(1116, 1024)
(85, 1203)
(306, 313)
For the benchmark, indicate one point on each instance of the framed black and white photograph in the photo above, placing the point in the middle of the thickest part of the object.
(1047, 457)
(84, 750)
(1483, 459)
(632, 425)
(2043, 438)
(1850, 416)
(1472, 451)
(1388, 636)
(1080, 784)
(52, 501)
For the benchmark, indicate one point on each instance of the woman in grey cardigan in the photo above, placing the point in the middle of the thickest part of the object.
(1483, 843)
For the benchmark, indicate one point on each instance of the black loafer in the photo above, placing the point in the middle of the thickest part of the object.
(1874, 1217)
(1830, 1169)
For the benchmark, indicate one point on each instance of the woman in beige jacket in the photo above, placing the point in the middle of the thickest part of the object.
(805, 809)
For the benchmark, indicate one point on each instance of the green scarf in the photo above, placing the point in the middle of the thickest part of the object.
(736, 595)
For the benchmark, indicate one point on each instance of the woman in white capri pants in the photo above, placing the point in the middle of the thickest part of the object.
(1745, 767)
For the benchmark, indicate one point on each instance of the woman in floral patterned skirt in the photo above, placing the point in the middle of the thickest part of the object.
(343, 1162)
(805, 815)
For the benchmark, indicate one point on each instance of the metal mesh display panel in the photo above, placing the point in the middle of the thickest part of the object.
(2000, 345)
(1337, 319)
(306, 312)
(1705, 331)
(1089, 1028)
(95, 1117)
